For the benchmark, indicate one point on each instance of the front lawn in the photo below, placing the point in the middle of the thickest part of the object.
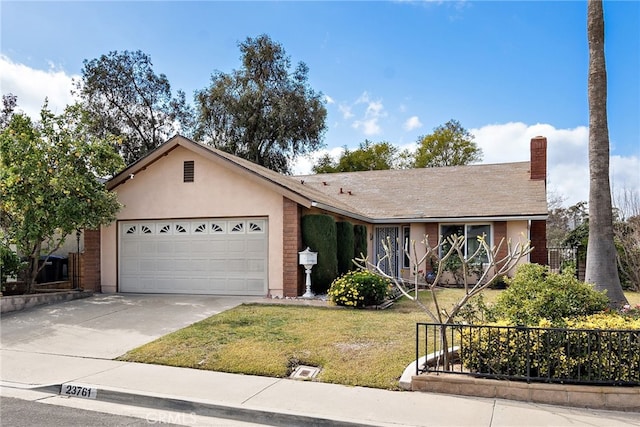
(355, 347)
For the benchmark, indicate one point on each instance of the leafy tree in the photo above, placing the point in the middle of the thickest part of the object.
(601, 268)
(264, 112)
(9, 103)
(562, 221)
(122, 96)
(49, 183)
(449, 145)
(368, 156)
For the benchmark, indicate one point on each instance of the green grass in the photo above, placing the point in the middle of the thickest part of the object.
(633, 297)
(354, 347)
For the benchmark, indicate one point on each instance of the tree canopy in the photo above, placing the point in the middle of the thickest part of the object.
(49, 182)
(122, 96)
(368, 156)
(449, 145)
(264, 112)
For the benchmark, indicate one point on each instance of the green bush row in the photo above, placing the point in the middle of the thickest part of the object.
(337, 244)
(604, 346)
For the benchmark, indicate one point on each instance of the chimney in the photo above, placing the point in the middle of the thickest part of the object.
(539, 158)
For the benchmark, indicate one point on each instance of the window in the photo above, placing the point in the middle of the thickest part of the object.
(189, 171)
(471, 232)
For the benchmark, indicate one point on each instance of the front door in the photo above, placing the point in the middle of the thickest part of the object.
(388, 236)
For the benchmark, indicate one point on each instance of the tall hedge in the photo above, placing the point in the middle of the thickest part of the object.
(359, 240)
(345, 246)
(319, 233)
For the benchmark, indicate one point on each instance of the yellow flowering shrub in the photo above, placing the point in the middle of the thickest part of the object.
(359, 288)
(599, 347)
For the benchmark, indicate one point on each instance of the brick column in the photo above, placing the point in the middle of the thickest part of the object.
(292, 282)
(431, 230)
(90, 261)
(499, 233)
(539, 158)
(538, 237)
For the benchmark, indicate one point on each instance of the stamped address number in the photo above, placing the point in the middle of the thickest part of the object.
(78, 390)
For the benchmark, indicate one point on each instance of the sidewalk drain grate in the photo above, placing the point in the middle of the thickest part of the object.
(305, 372)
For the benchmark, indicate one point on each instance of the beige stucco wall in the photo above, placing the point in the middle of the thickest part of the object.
(158, 192)
(518, 231)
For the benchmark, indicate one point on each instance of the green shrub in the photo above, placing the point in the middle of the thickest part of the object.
(10, 263)
(597, 347)
(319, 234)
(359, 289)
(359, 240)
(535, 293)
(345, 246)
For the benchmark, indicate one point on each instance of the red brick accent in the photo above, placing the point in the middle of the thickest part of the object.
(538, 237)
(431, 230)
(90, 261)
(292, 282)
(500, 233)
(539, 157)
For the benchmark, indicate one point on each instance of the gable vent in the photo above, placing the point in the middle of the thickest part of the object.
(189, 171)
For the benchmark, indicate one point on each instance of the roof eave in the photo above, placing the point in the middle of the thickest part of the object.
(460, 218)
(342, 212)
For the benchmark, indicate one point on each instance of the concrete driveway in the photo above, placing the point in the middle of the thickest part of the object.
(106, 326)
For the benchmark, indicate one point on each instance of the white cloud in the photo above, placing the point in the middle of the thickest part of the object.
(363, 99)
(303, 164)
(412, 123)
(346, 111)
(567, 157)
(369, 123)
(32, 86)
(329, 99)
(369, 127)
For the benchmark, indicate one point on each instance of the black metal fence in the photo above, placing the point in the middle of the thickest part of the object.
(554, 355)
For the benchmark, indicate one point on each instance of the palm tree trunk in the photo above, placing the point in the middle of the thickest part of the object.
(601, 269)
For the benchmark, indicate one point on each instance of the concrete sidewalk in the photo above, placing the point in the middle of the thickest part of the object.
(74, 342)
(274, 401)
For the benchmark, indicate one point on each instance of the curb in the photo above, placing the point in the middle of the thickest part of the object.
(207, 409)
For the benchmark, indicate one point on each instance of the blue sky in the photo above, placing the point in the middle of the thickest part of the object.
(391, 71)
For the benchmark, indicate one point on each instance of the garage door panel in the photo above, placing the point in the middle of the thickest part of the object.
(238, 246)
(208, 256)
(130, 266)
(129, 248)
(182, 265)
(148, 265)
(165, 247)
(256, 265)
(254, 285)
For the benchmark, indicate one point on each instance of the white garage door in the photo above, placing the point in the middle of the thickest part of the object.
(201, 256)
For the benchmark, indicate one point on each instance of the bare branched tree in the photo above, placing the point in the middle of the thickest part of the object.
(494, 267)
(626, 231)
